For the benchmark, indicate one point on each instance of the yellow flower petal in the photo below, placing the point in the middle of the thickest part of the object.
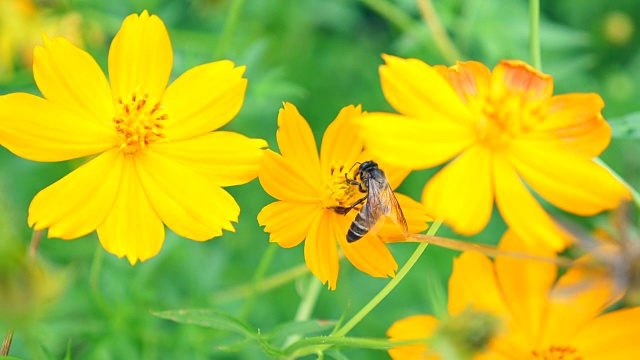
(188, 203)
(462, 193)
(76, 204)
(298, 145)
(520, 210)
(414, 212)
(611, 336)
(284, 181)
(567, 180)
(321, 251)
(203, 99)
(412, 327)
(413, 143)
(225, 158)
(288, 223)
(581, 298)
(473, 283)
(525, 284)
(341, 144)
(40, 130)
(573, 121)
(415, 89)
(140, 58)
(516, 78)
(368, 254)
(132, 228)
(70, 77)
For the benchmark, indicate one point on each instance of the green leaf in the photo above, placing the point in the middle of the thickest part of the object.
(67, 356)
(626, 127)
(300, 328)
(208, 318)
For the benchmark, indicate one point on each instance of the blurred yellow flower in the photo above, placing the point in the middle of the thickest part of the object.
(21, 25)
(505, 132)
(308, 187)
(536, 325)
(159, 161)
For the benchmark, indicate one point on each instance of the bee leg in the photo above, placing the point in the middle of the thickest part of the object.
(344, 210)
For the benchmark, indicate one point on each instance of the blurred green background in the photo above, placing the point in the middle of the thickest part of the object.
(320, 55)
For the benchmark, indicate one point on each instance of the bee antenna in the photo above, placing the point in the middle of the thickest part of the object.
(357, 163)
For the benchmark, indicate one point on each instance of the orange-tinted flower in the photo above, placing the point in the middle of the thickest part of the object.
(157, 161)
(536, 324)
(504, 131)
(308, 187)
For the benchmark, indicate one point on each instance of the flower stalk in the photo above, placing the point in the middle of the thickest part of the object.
(390, 286)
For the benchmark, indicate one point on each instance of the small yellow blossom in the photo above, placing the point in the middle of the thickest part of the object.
(536, 324)
(309, 186)
(158, 158)
(503, 132)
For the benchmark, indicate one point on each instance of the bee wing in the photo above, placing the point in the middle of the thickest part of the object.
(392, 208)
(375, 209)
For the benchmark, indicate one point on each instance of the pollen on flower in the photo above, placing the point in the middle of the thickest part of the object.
(139, 122)
(557, 353)
(507, 117)
(338, 190)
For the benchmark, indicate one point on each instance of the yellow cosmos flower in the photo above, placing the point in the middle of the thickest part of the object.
(308, 187)
(505, 132)
(159, 161)
(536, 325)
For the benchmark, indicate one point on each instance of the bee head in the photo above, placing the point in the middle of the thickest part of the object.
(367, 166)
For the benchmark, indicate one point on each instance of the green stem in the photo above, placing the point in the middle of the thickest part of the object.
(390, 286)
(96, 266)
(392, 13)
(266, 260)
(272, 282)
(534, 33)
(6, 343)
(634, 194)
(440, 36)
(314, 344)
(35, 242)
(305, 309)
(397, 17)
(229, 27)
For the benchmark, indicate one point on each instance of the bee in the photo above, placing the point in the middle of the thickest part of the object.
(379, 202)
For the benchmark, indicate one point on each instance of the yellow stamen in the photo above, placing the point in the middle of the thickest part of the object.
(557, 353)
(338, 191)
(139, 122)
(508, 117)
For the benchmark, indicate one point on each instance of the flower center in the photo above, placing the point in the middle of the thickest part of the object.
(557, 353)
(338, 191)
(508, 117)
(139, 122)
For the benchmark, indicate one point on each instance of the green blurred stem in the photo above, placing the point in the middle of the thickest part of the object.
(396, 16)
(440, 36)
(390, 286)
(35, 242)
(392, 13)
(305, 309)
(534, 33)
(266, 260)
(634, 194)
(6, 343)
(267, 284)
(96, 266)
(229, 27)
